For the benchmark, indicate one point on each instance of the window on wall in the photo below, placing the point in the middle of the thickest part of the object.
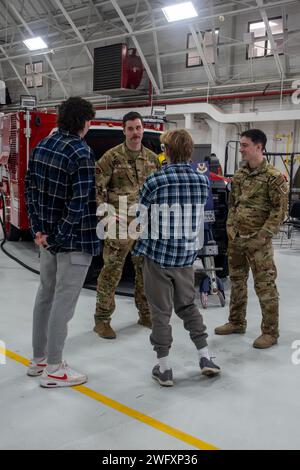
(192, 58)
(33, 74)
(260, 45)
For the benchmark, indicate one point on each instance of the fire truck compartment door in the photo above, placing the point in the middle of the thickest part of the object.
(4, 139)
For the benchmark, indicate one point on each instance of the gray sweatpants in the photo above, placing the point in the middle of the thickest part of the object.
(61, 279)
(163, 287)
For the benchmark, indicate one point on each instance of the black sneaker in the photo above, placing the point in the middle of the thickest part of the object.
(163, 378)
(208, 367)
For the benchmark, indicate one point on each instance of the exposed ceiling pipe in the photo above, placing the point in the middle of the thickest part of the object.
(200, 99)
(173, 101)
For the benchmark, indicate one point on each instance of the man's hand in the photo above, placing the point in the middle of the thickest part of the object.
(38, 237)
(264, 236)
(41, 239)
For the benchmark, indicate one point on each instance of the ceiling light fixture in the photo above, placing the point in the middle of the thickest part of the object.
(35, 44)
(180, 11)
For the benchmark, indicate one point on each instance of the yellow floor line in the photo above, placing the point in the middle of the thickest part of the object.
(154, 423)
(14, 356)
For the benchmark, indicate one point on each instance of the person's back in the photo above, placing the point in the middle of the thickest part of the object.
(62, 168)
(60, 198)
(178, 194)
(171, 214)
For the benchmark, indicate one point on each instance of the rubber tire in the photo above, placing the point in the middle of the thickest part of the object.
(221, 261)
(221, 296)
(26, 236)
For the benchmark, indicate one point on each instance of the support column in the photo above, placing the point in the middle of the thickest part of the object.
(218, 139)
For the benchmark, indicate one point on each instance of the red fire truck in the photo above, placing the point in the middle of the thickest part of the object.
(21, 131)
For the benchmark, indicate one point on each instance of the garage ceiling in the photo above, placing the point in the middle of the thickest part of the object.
(79, 26)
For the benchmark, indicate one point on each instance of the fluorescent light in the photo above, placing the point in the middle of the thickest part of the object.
(34, 44)
(181, 11)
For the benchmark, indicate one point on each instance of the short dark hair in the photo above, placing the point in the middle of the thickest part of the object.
(257, 136)
(180, 145)
(73, 114)
(131, 116)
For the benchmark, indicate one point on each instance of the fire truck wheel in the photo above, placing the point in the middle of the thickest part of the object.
(222, 262)
(221, 296)
(14, 234)
(26, 236)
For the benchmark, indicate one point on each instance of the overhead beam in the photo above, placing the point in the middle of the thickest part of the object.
(265, 19)
(285, 41)
(156, 49)
(157, 28)
(215, 46)
(98, 14)
(165, 26)
(29, 56)
(202, 13)
(198, 40)
(15, 70)
(136, 43)
(74, 27)
(53, 21)
(137, 6)
(33, 7)
(20, 18)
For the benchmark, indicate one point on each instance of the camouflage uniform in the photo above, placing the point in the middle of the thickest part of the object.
(257, 207)
(121, 172)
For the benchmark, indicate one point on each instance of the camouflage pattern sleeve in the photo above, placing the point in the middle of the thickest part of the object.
(278, 194)
(154, 158)
(231, 210)
(103, 174)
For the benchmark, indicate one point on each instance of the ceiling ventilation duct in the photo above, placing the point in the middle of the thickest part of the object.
(117, 69)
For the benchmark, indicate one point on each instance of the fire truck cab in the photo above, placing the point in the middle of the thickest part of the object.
(21, 131)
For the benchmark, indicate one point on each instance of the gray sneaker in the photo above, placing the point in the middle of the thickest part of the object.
(208, 367)
(163, 378)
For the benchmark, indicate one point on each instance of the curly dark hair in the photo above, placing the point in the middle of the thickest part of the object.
(73, 114)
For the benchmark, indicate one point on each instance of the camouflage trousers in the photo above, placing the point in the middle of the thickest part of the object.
(114, 256)
(258, 255)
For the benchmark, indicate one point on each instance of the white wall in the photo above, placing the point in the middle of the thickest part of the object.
(283, 136)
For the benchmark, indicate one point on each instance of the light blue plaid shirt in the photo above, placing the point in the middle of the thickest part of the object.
(174, 198)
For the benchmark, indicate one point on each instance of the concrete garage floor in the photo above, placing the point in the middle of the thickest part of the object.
(254, 404)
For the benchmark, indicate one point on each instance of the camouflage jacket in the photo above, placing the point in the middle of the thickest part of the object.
(257, 202)
(118, 174)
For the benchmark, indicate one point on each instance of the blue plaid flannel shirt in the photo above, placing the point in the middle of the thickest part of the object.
(175, 185)
(60, 193)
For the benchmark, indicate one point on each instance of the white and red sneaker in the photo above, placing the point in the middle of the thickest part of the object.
(36, 368)
(64, 376)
